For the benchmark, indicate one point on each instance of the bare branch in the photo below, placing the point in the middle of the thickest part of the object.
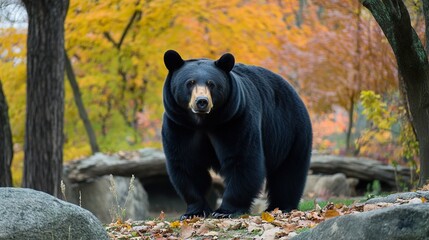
(136, 15)
(108, 37)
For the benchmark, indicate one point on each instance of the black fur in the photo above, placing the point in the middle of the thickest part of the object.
(258, 128)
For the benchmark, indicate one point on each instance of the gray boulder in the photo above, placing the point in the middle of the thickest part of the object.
(327, 186)
(405, 222)
(393, 197)
(30, 214)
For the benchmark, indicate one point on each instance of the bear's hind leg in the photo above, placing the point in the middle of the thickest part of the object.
(285, 184)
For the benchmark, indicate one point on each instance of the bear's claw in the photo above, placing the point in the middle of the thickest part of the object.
(221, 215)
(185, 216)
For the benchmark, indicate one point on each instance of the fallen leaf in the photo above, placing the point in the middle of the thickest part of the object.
(267, 226)
(161, 216)
(276, 211)
(339, 205)
(140, 228)
(267, 217)
(256, 220)
(370, 207)
(330, 206)
(277, 223)
(192, 220)
(151, 223)
(330, 213)
(205, 228)
(423, 199)
(186, 231)
(359, 207)
(290, 227)
(211, 233)
(159, 226)
(415, 201)
(229, 225)
(270, 234)
(175, 224)
(253, 227)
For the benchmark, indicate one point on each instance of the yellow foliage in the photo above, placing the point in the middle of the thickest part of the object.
(267, 217)
(17, 168)
(384, 140)
(118, 81)
(121, 83)
(175, 224)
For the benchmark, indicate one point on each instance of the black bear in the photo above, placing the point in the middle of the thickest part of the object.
(244, 122)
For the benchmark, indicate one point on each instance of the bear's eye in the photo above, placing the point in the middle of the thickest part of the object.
(210, 84)
(190, 83)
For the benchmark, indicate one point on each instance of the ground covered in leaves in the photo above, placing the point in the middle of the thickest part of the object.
(269, 225)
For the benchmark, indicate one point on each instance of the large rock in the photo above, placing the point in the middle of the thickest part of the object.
(147, 165)
(98, 197)
(401, 222)
(327, 186)
(30, 214)
(392, 198)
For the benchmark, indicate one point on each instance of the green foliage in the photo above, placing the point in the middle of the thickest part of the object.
(373, 189)
(308, 205)
(388, 124)
(390, 134)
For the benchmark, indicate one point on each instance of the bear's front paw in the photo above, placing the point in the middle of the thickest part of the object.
(222, 213)
(202, 214)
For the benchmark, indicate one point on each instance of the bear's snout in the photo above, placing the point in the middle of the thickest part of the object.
(201, 101)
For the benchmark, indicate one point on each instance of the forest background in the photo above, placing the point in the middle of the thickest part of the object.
(332, 52)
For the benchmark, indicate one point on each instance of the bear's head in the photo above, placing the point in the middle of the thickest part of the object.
(199, 85)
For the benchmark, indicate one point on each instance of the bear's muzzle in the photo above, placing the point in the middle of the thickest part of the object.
(201, 100)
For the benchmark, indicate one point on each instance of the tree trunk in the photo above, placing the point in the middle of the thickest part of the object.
(426, 15)
(149, 164)
(364, 169)
(394, 20)
(79, 104)
(6, 144)
(43, 146)
(350, 126)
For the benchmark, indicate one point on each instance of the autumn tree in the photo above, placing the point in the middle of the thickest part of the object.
(116, 57)
(394, 19)
(6, 144)
(45, 95)
(334, 54)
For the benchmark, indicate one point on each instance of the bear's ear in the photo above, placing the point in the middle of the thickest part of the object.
(226, 62)
(172, 60)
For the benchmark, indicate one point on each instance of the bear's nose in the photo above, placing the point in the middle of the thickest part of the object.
(202, 103)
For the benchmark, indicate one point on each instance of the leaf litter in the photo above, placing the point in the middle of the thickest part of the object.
(269, 225)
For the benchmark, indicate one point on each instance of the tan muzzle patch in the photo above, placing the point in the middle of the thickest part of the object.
(201, 100)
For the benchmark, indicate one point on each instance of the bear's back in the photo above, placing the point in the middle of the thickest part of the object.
(272, 88)
(284, 114)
